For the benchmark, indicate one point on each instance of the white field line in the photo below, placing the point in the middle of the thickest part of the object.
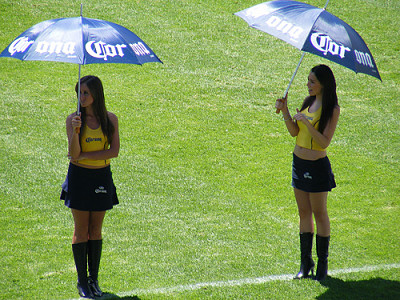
(247, 281)
(244, 281)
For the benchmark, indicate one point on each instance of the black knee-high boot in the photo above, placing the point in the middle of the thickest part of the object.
(322, 252)
(94, 255)
(80, 256)
(307, 263)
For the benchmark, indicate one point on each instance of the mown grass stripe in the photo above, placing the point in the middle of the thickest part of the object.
(250, 281)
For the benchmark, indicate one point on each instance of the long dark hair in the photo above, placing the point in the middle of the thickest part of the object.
(329, 97)
(99, 106)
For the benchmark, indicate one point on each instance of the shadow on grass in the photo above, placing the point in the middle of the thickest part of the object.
(109, 296)
(376, 288)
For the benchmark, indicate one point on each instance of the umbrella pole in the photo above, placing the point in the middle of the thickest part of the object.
(291, 80)
(297, 68)
(79, 92)
(79, 81)
(78, 109)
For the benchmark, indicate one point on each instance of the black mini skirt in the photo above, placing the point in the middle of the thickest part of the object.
(313, 176)
(89, 189)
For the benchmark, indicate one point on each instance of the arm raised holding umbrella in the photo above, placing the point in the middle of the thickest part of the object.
(281, 105)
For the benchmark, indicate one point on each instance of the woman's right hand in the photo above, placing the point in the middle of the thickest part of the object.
(281, 105)
(76, 123)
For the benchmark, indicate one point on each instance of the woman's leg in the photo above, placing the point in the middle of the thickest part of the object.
(319, 208)
(94, 250)
(95, 224)
(80, 250)
(306, 234)
(319, 205)
(81, 226)
(305, 211)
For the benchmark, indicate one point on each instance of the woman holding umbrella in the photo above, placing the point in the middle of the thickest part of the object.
(89, 190)
(312, 177)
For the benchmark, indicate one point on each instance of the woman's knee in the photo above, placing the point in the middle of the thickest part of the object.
(95, 232)
(81, 235)
(96, 225)
(321, 217)
(319, 207)
(305, 213)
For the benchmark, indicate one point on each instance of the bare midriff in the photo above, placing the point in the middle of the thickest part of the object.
(308, 154)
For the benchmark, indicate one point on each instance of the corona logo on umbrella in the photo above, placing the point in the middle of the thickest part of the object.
(312, 30)
(81, 41)
(103, 50)
(95, 49)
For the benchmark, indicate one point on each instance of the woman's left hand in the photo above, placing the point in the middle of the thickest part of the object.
(300, 117)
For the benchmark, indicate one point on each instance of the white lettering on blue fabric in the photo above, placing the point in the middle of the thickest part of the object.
(363, 59)
(20, 45)
(99, 49)
(139, 49)
(103, 50)
(284, 27)
(325, 44)
(55, 47)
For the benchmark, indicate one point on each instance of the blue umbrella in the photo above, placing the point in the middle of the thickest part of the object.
(313, 30)
(81, 41)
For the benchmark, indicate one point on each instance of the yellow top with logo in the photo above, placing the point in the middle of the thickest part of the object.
(304, 138)
(93, 140)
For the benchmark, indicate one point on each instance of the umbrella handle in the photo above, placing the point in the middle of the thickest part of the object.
(291, 80)
(284, 96)
(78, 129)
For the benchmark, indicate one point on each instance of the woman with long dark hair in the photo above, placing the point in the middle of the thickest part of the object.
(312, 177)
(89, 190)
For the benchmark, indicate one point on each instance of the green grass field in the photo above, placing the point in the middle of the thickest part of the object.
(203, 176)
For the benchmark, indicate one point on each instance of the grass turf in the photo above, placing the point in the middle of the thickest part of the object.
(204, 169)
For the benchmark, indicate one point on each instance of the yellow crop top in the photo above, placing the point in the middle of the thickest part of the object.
(304, 138)
(93, 140)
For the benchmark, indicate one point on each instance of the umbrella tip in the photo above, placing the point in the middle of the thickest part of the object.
(81, 8)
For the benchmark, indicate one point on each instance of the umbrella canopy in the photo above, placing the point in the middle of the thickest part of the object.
(313, 30)
(82, 41)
